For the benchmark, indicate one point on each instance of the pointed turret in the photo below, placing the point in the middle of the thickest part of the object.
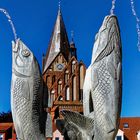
(58, 43)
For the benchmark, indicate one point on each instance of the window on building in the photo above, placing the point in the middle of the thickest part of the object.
(52, 96)
(74, 88)
(73, 66)
(125, 125)
(60, 98)
(57, 138)
(66, 76)
(67, 94)
(1, 136)
(119, 138)
(59, 86)
(48, 80)
(81, 70)
(53, 79)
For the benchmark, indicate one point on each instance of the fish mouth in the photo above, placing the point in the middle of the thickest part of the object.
(15, 45)
(109, 20)
(108, 29)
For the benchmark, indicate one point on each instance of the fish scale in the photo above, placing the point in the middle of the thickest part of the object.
(103, 88)
(22, 113)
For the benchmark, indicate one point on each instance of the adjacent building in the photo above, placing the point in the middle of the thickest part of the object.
(129, 129)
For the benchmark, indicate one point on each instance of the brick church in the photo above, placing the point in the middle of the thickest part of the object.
(63, 73)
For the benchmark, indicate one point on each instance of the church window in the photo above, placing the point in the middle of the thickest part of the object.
(81, 81)
(50, 69)
(60, 98)
(48, 80)
(52, 96)
(73, 66)
(66, 76)
(74, 88)
(67, 94)
(59, 86)
(53, 79)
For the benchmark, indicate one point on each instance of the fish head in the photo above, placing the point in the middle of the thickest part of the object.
(104, 37)
(22, 59)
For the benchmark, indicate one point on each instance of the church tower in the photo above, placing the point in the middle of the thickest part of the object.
(62, 73)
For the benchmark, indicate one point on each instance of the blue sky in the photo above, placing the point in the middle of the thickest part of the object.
(34, 21)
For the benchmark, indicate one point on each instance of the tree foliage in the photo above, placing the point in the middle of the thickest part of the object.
(6, 117)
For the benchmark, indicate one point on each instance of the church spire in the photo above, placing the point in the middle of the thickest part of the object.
(58, 43)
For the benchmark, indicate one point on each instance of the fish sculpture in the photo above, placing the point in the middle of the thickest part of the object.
(105, 86)
(26, 94)
(102, 90)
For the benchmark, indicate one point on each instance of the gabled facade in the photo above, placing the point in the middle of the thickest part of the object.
(62, 73)
(129, 129)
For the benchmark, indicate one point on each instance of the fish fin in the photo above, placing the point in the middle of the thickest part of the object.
(119, 71)
(81, 121)
(109, 124)
(112, 70)
(105, 52)
(87, 91)
(91, 115)
(94, 78)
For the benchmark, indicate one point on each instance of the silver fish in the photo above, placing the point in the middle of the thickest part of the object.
(26, 89)
(103, 81)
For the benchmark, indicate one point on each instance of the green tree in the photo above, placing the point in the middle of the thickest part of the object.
(6, 117)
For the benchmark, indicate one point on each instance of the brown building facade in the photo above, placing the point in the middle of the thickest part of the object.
(129, 129)
(62, 73)
(7, 131)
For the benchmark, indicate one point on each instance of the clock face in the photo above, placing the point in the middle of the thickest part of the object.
(60, 66)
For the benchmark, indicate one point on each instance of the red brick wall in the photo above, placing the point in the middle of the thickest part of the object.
(133, 127)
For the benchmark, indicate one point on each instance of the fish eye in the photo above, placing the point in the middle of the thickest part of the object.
(25, 53)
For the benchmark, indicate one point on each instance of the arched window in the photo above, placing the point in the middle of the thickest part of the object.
(67, 96)
(81, 79)
(81, 76)
(73, 66)
(66, 76)
(59, 86)
(48, 80)
(52, 96)
(53, 79)
(74, 88)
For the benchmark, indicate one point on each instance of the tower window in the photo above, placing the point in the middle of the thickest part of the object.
(52, 96)
(66, 76)
(81, 70)
(74, 88)
(48, 80)
(59, 86)
(53, 79)
(125, 125)
(73, 66)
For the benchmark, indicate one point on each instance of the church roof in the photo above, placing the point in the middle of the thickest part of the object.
(58, 43)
